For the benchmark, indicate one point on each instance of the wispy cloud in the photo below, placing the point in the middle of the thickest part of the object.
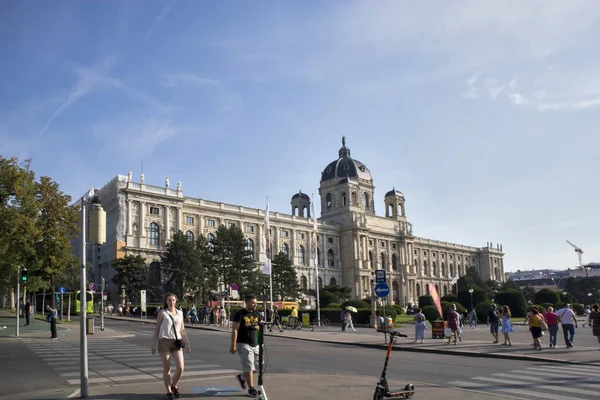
(186, 80)
(89, 79)
(164, 12)
(472, 92)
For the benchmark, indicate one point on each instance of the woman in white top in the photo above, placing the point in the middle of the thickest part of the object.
(165, 339)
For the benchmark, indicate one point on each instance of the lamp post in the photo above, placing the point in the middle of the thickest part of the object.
(564, 296)
(471, 293)
(589, 298)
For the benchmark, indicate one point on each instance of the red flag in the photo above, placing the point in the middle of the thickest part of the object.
(436, 298)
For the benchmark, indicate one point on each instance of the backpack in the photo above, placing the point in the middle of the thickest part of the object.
(420, 318)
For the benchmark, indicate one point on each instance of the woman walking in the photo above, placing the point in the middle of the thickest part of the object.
(552, 321)
(506, 325)
(594, 321)
(535, 327)
(453, 323)
(168, 336)
(419, 326)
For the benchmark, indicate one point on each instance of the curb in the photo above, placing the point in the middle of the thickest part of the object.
(398, 348)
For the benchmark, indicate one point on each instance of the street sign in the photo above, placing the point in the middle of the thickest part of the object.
(143, 300)
(92, 287)
(265, 297)
(380, 276)
(382, 289)
(235, 294)
(62, 290)
(234, 286)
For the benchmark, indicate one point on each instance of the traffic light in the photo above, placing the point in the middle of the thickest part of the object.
(24, 275)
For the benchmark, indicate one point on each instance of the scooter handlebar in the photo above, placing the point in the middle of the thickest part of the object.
(392, 333)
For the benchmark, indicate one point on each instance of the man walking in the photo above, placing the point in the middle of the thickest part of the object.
(492, 322)
(244, 341)
(568, 321)
(52, 317)
(28, 312)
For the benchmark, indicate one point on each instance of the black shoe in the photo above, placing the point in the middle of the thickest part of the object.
(170, 396)
(175, 392)
(252, 392)
(241, 380)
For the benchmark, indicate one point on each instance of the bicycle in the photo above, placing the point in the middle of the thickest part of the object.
(324, 323)
(292, 323)
(382, 390)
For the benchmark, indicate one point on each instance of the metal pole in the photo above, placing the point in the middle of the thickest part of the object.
(83, 311)
(18, 298)
(102, 305)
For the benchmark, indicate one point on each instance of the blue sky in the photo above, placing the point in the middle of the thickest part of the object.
(485, 114)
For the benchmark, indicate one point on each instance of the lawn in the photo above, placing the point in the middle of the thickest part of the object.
(404, 319)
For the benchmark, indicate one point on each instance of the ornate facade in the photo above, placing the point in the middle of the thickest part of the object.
(352, 243)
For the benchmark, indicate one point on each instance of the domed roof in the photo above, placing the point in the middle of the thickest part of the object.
(300, 195)
(394, 192)
(345, 166)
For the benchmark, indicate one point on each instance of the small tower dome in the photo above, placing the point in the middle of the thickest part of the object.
(301, 205)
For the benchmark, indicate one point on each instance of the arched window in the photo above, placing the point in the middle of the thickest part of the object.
(443, 270)
(371, 259)
(344, 199)
(367, 205)
(452, 271)
(320, 283)
(332, 282)
(285, 248)
(394, 262)
(154, 274)
(295, 211)
(437, 289)
(303, 283)
(328, 201)
(445, 290)
(382, 260)
(319, 257)
(389, 211)
(496, 276)
(418, 287)
(460, 270)
(300, 254)
(211, 241)
(395, 292)
(353, 198)
(250, 245)
(330, 258)
(153, 234)
(189, 235)
(434, 268)
(427, 290)
(425, 268)
(305, 212)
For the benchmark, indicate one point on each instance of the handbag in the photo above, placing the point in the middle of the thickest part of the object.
(543, 325)
(447, 332)
(178, 342)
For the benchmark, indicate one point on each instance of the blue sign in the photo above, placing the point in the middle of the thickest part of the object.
(265, 297)
(382, 289)
(62, 290)
(380, 276)
(224, 293)
(92, 287)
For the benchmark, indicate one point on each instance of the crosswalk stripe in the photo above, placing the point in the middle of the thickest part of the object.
(574, 373)
(482, 387)
(90, 380)
(528, 384)
(575, 369)
(565, 379)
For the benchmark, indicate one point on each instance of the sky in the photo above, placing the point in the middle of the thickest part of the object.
(484, 114)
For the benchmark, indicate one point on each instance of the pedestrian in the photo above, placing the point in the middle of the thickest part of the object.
(244, 341)
(194, 314)
(492, 322)
(343, 318)
(223, 317)
(535, 327)
(52, 319)
(419, 326)
(568, 320)
(28, 312)
(453, 323)
(169, 335)
(506, 325)
(552, 321)
(594, 321)
(587, 316)
(217, 315)
(473, 321)
(348, 321)
(276, 320)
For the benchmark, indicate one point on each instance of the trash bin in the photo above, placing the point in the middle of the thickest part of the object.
(437, 329)
(89, 325)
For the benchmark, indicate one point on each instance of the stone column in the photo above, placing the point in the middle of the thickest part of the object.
(179, 222)
(293, 250)
(142, 228)
(129, 220)
(167, 235)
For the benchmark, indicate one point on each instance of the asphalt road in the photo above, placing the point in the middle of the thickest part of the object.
(28, 369)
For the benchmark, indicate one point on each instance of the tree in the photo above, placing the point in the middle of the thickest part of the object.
(181, 265)
(131, 273)
(341, 293)
(207, 277)
(514, 299)
(57, 225)
(285, 278)
(509, 284)
(546, 296)
(235, 261)
(529, 293)
(471, 279)
(492, 287)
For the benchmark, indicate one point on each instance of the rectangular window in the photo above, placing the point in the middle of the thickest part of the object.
(154, 210)
(451, 257)
(370, 243)
(318, 238)
(330, 240)
(382, 244)
(443, 256)
(250, 229)
(284, 233)
(434, 254)
(416, 252)
(231, 224)
(300, 235)
(425, 253)
(210, 222)
(189, 220)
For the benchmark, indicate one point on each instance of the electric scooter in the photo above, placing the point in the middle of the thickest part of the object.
(382, 390)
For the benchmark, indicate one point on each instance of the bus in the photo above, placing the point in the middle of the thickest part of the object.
(76, 302)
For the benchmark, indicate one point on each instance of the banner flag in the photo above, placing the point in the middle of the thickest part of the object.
(436, 298)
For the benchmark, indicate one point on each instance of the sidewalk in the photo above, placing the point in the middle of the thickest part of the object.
(477, 342)
(277, 386)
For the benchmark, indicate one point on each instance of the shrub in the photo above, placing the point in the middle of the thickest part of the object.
(389, 312)
(546, 296)
(514, 299)
(425, 301)
(483, 309)
(399, 309)
(450, 298)
(546, 305)
(326, 298)
(579, 309)
(431, 313)
(356, 303)
(446, 306)
(479, 296)
(334, 305)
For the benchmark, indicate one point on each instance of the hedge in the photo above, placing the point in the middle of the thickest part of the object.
(356, 303)
(449, 298)
(399, 309)
(479, 296)
(546, 296)
(446, 306)
(514, 299)
(425, 301)
(431, 313)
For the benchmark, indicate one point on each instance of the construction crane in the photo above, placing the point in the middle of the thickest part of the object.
(579, 253)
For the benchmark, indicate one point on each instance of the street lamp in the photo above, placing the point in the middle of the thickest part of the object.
(471, 293)
(565, 296)
(590, 298)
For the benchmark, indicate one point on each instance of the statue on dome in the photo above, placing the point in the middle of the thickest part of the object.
(167, 182)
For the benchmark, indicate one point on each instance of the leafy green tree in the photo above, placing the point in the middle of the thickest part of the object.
(181, 265)
(341, 293)
(471, 279)
(580, 287)
(514, 299)
(234, 261)
(529, 293)
(132, 273)
(285, 278)
(492, 287)
(546, 296)
(57, 225)
(479, 296)
(510, 284)
(207, 278)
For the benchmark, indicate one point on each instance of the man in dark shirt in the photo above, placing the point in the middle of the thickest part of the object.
(492, 321)
(244, 341)
(27, 312)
